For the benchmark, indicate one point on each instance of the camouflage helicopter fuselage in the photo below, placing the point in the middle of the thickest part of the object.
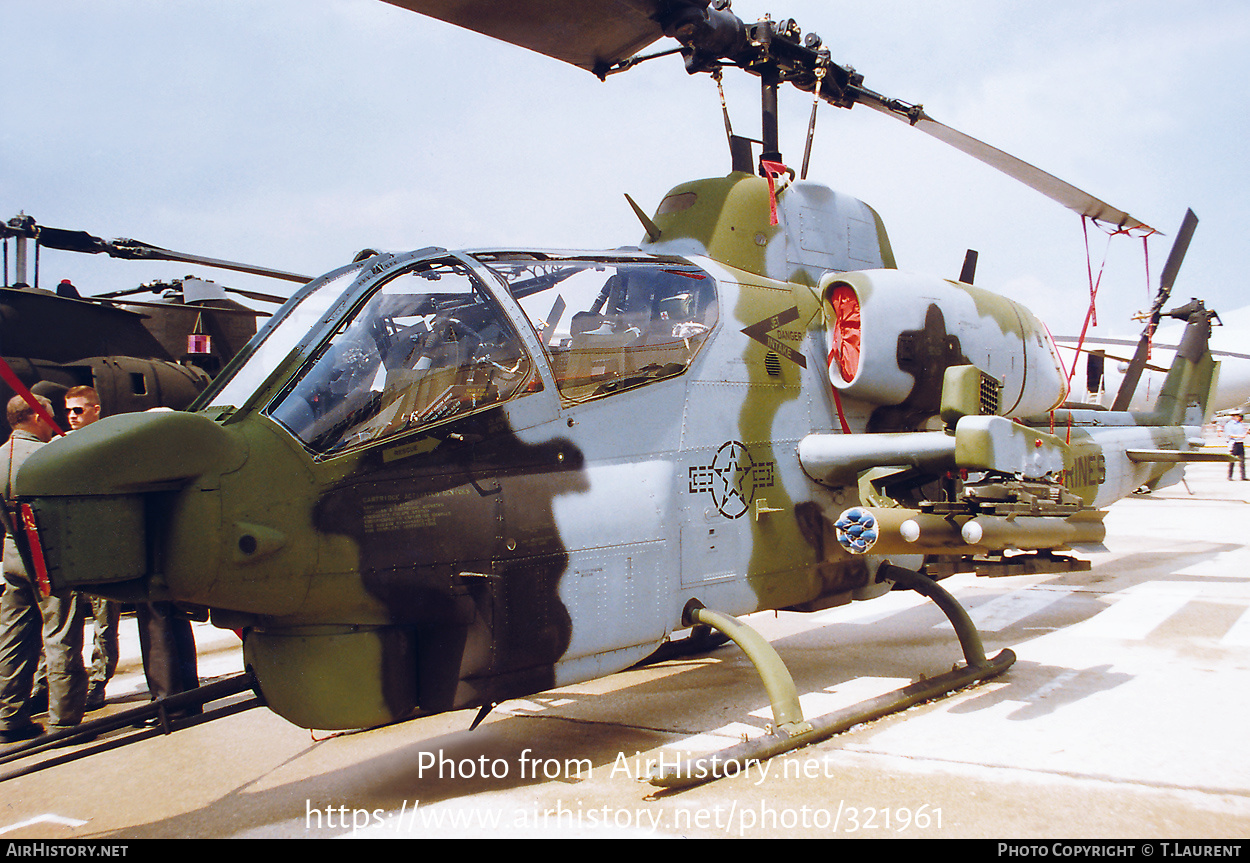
(440, 480)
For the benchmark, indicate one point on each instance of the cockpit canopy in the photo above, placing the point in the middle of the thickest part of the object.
(391, 346)
(427, 344)
(606, 325)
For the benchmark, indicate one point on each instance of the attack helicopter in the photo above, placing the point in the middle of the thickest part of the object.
(437, 480)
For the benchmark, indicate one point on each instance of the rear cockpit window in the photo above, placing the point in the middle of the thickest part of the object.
(610, 326)
(426, 346)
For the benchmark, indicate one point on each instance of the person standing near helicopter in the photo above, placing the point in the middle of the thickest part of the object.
(165, 637)
(25, 612)
(82, 408)
(1235, 433)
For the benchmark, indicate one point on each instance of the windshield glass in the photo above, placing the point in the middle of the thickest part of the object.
(273, 343)
(611, 325)
(425, 346)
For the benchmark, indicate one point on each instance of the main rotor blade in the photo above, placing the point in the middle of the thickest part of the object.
(125, 292)
(600, 34)
(81, 241)
(257, 295)
(251, 295)
(177, 307)
(69, 241)
(136, 250)
(592, 34)
(1035, 178)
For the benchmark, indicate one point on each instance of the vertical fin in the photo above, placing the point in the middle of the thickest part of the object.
(1187, 391)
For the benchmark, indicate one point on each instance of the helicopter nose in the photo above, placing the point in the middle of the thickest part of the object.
(129, 453)
(98, 495)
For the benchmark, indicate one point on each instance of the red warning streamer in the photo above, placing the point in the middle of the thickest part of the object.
(10, 377)
(1092, 315)
(772, 170)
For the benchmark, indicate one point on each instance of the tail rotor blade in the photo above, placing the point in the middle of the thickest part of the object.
(1167, 279)
(1179, 247)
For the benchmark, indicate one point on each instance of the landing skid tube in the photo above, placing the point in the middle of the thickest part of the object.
(790, 730)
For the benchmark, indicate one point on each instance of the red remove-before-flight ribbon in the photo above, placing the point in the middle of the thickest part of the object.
(772, 170)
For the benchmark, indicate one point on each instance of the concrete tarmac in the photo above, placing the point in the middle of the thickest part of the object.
(1124, 717)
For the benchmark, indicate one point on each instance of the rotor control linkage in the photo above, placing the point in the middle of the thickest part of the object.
(790, 730)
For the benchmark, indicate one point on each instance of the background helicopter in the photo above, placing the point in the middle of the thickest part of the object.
(157, 348)
(476, 641)
(1103, 361)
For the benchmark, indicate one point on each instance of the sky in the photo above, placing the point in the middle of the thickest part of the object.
(293, 133)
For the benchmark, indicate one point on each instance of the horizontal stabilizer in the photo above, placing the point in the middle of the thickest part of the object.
(1170, 455)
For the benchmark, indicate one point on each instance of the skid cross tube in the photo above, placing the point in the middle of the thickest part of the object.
(797, 732)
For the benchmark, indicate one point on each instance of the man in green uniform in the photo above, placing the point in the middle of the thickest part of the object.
(82, 408)
(24, 611)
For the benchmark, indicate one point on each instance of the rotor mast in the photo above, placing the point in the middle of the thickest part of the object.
(713, 37)
(768, 119)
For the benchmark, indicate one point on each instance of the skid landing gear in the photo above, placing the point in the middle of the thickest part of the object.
(790, 729)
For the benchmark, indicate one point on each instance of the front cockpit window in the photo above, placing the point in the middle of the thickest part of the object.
(611, 325)
(269, 347)
(427, 345)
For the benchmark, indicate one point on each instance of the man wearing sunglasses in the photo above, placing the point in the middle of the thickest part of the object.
(165, 636)
(82, 408)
